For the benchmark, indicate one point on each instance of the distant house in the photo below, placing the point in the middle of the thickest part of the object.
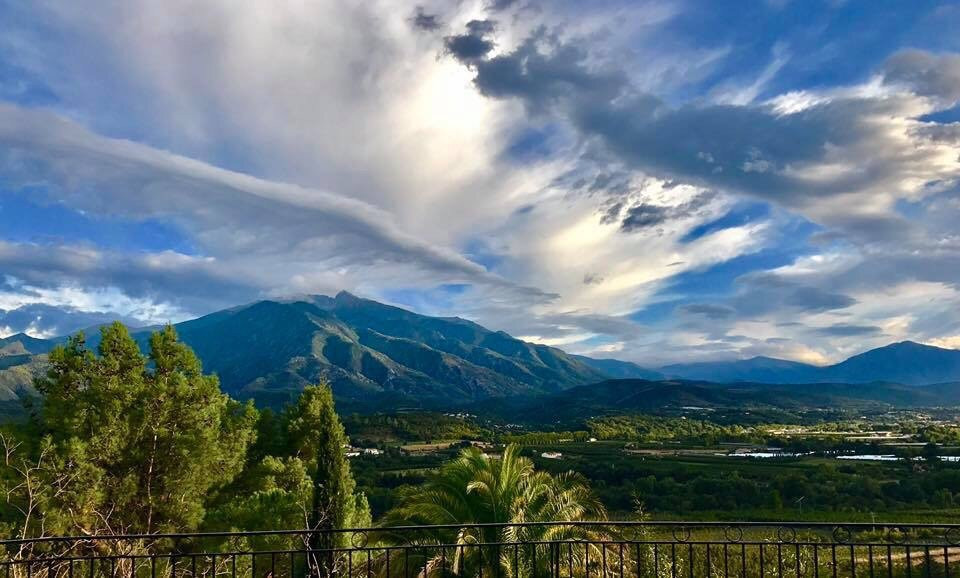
(372, 451)
(591, 440)
(551, 455)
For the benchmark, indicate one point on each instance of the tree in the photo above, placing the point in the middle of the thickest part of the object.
(477, 489)
(126, 444)
(316, 436)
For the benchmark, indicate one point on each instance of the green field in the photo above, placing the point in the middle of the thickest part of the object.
(670, 469)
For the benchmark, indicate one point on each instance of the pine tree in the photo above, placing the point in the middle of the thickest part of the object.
(121, 445)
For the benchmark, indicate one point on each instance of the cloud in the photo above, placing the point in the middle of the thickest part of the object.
(927, 74)
(423, 21)
(816, 299)
(568, 166)
(264, 235)
(644, 216)
(474, 45)
(845, 330)
(542, 78)
(849, 159)
(708, 310)
(45, 321)
(864, 148)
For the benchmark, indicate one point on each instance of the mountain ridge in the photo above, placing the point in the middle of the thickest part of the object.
(371, 352)
(377, 355)
(906, 362)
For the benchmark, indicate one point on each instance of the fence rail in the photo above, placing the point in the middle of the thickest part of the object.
(552, 549)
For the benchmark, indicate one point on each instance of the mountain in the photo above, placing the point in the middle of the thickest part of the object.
(372, 354)
(21, 359)
(377, 356)
(906, 362)
(23, 344)
(756, 369)
(16, 383)
(619, 369)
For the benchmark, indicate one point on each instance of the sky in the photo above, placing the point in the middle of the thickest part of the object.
(655, 181)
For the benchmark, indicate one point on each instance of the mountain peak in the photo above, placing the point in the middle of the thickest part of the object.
(27, 344)
(17, 337)
(907, 344)
(371, 353)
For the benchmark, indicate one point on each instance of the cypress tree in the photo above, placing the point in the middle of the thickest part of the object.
(317, 436)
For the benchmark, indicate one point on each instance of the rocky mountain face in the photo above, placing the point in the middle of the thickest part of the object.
(372, 354)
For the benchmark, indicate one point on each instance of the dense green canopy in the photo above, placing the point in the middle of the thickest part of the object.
(123, 443)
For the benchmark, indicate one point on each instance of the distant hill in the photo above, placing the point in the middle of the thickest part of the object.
(16, 382)
(21, 359)
(620, 369)
(906, 362)
(756, 369)
(22, 344)
(626, 396)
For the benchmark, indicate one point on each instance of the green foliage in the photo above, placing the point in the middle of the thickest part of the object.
(539, 438)
(317, 436)
(409, 427)
(275, 493)
(123, 443)
(297, 476)
(647, 428)
(477, 489)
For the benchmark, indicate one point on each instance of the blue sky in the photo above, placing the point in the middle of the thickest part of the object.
(658, 181)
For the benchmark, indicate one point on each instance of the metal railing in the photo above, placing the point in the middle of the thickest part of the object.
(553, 549)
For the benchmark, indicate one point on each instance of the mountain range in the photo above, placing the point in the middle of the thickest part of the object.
(905, 362)
(377, 356)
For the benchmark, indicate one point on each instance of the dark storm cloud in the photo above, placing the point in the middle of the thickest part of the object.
(844, 330)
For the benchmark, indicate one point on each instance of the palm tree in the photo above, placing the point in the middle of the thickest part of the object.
(476, 489)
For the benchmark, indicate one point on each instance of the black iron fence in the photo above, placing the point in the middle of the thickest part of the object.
(554, 549)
